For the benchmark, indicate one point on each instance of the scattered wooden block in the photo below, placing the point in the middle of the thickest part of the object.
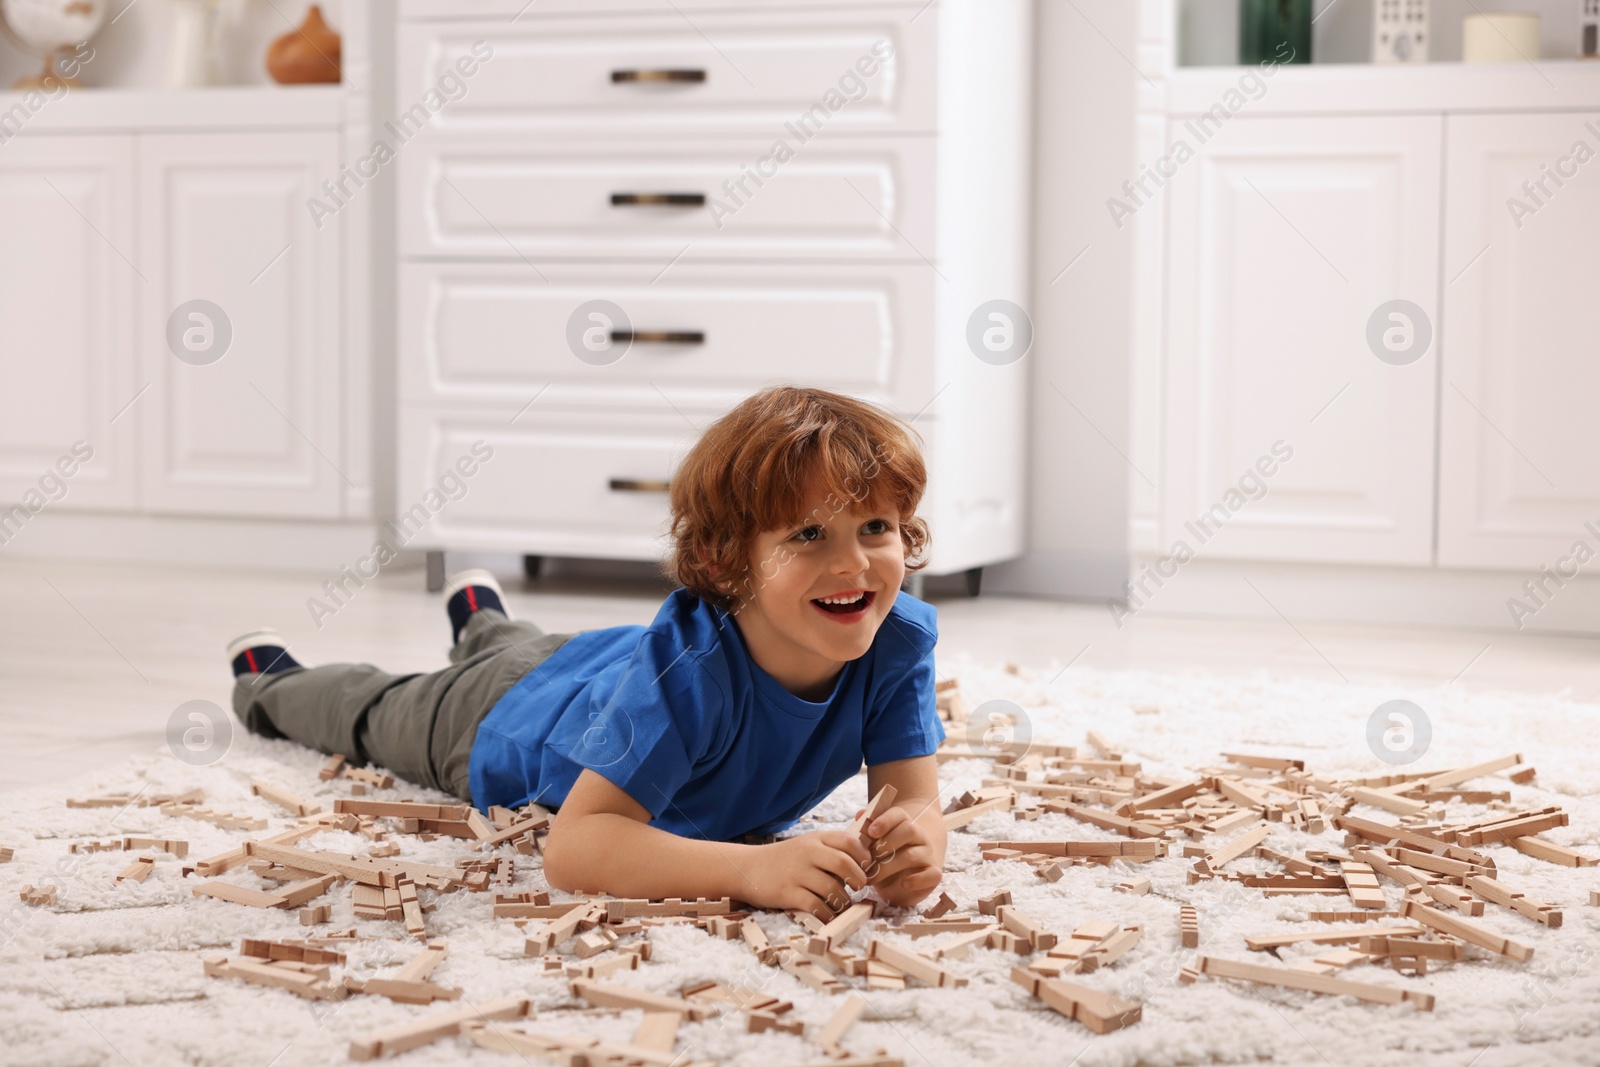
(1470, 932)
(313, 985)
(916, 966)
(988, 905)
(619, 996)
(1316, 983)
(138, 870)
(39, 897)
(1550, 852)
(834, 1029)
(1136, 886)
(431, 1028)
(315, 914)
(1189, 925)
(284, 799)
(1100, 1012)
(330, 769)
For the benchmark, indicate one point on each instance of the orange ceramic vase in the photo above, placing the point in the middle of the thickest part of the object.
(309, 54)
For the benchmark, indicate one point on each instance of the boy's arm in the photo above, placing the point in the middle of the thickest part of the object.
(599, 842)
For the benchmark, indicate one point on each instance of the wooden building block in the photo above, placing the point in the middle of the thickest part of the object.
(840, 927)
(606, 995)
(942, 906)
(1499, 893)
(315, 914)
(432, 1027)
(573, 1049)
(809, 972)
(283, 798)
(1189, 925)
(1550, 852)
(1238, 846)
(172, 848)
(39, 897)
(834, 1029)
(1012, 918)
(331, 767)
(1135, 886)
(312, 986)
(1315, 983)
(880, 803)
(913, 964)
(988, 905)
(1470, 932)
(137, 871)
(236, 894)
(1100, 1012)
(369, 777)
(1362, 885)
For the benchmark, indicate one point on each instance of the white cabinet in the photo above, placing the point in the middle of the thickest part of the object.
(1518, 471)
(811, 193)
(1286, 235)
(67, 282)
(224, 219)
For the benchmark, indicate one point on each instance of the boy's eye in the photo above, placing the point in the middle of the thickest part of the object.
(810, 533)
(878, 526)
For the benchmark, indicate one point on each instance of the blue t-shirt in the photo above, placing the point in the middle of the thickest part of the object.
(680, 717)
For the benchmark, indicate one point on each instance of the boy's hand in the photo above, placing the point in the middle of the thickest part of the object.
(907, 862)
(811, 872)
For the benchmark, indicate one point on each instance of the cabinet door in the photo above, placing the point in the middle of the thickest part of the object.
(1287, 235)
(226, 219)
(1518, 471)
(68, 269)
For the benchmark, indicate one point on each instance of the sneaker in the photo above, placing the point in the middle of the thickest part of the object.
(470, 592)
(260, 652)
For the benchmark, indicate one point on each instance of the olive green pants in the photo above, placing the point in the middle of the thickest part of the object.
(418, 726)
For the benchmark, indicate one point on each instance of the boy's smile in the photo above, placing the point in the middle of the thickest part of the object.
(818, 591)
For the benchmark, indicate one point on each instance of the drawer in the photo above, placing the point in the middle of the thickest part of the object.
(499, 333)
(724, 73)
(556, 483)
(842, 198)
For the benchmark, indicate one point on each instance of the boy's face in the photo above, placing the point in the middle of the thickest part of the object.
(841, 550)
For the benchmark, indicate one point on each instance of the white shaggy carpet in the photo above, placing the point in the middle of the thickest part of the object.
(112, 974)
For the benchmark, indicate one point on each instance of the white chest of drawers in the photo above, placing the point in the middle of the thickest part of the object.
(820, 193)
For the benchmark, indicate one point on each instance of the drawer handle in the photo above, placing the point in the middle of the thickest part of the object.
(659, 337)
(672, 199)
(639, 485)
(666, 75)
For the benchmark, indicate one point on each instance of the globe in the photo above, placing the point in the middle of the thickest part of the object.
(45, 27)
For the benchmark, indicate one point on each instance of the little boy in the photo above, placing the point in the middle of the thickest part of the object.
(787, 658)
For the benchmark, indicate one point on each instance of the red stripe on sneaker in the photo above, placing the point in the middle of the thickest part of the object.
(472, 599)
(250, 658)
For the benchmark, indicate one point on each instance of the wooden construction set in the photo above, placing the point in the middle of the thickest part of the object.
(1222, 815)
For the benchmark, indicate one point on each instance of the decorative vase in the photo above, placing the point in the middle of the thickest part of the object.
(189, 55)
(1269, 29)
(310, 54)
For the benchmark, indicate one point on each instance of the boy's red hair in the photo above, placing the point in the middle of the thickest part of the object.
(749, 471)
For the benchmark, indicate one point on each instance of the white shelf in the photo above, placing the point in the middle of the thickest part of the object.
(1365, 89)
(220, 107)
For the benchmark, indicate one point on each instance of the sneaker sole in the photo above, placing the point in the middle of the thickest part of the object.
(460, 581)
(254, 639)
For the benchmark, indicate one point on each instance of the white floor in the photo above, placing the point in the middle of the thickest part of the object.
(95, 658)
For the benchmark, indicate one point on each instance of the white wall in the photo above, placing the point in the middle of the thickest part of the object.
(1084, 151)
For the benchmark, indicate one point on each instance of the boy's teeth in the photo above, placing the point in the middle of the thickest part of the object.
(839, 600)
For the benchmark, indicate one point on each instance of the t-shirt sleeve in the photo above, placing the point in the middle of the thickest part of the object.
(656, 726)
(905, 721)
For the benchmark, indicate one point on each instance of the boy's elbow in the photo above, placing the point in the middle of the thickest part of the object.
(558, 866)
